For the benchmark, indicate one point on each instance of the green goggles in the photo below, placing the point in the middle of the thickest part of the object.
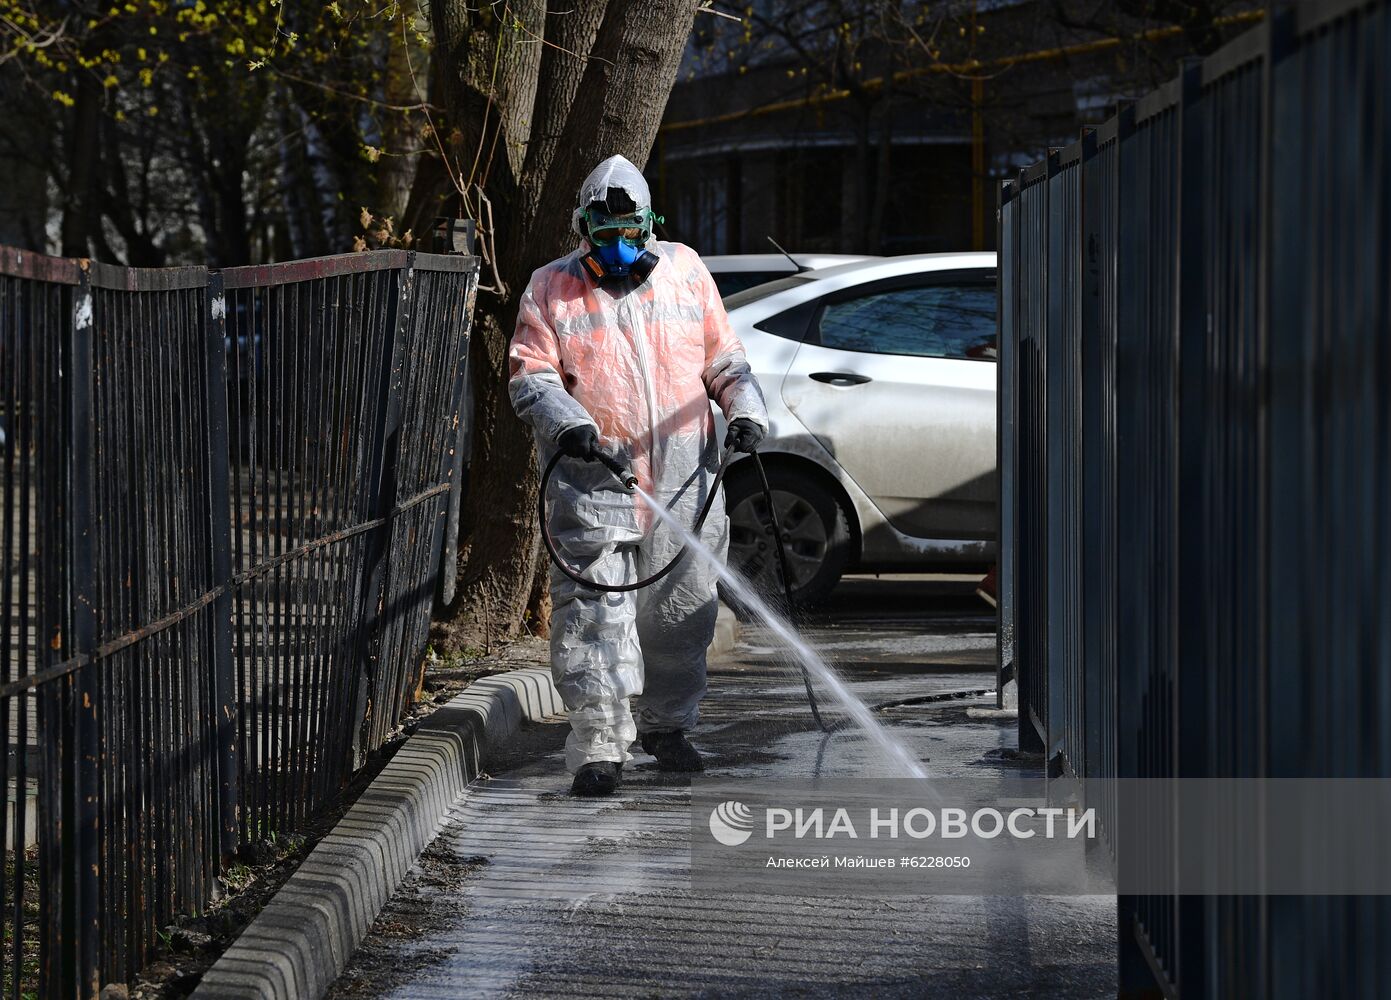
(606, 229)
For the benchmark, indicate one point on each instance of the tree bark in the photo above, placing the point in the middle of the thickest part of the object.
(861, 187)
(617, 109)
(234, 247)
(432, 193)
(518, 67)
(298, 214)
(331, 236)
(396, 171)
(79, 213)
(117, 204)
(569, 40)
(614, 106)
(883, 176)
(497, 553)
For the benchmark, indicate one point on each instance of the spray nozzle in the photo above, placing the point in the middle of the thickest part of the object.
(626, 478)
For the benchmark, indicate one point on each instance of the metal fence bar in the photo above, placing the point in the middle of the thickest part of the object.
(1062, 475)
(1226, 617)
(79, 702)
(1098, 456)
(1006, 444)
(383, 467)
(1031, 380)
(223, 711)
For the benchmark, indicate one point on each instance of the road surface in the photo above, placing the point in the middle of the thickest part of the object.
(529, 892)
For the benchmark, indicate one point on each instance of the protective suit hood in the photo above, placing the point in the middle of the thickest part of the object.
(615, 172)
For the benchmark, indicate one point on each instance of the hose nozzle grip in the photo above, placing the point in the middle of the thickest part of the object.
(624, 477)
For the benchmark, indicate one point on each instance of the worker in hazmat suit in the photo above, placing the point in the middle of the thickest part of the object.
(619, 347)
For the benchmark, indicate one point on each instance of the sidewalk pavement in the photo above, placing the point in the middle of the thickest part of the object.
(531, 892)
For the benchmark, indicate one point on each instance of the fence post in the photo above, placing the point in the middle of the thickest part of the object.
(1187, 527)
(1006, 240)
(1191, 336)
(1135, 976)
(455, 456)
(1094, 445)
(1031, 647)
(382, 469)
(225, 702)
(81, 710)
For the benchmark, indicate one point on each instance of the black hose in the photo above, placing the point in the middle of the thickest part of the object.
(627, 480)
(786, 580)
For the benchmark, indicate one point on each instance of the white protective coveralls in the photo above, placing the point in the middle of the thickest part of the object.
(639, 362)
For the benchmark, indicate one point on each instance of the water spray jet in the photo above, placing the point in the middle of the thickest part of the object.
(807, 659)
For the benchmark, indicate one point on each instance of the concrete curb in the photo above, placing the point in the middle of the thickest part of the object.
(300, 943)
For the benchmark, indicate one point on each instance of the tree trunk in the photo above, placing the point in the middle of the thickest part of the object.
(570, 38)
(617, 109)
(324, 183)
(199, 167)
(235, 245)
(517, 73)
(432, 193)
(538, 605)
(613, 106)
(396, 171)
(118, 205)
(78, 210)
(305, 238)
(497, 553)
(861, 186)
(431, 196)
(882, 178)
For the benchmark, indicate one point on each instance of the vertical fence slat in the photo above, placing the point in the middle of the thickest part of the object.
(383, 465)
(1030, 497)
(1006, 444)
(223, 709)
(83, 702)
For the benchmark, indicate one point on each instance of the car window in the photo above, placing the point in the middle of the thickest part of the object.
(729, 282)
(954, 320)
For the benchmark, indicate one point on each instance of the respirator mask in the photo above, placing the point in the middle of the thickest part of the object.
(618, 231)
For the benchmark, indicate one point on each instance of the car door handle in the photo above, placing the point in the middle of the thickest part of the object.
(840, 378)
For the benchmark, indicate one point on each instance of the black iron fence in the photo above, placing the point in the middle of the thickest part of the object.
(223, 498)
(1196, 464)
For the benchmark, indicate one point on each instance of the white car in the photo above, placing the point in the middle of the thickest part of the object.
(880, 383)
(738, 271)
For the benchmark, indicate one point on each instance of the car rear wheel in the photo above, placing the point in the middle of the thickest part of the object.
(815, 532)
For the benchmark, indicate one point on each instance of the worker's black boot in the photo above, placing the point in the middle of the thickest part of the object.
(597, 779)
(673, 751)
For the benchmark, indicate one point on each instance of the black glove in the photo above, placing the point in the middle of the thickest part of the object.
(579, 442)
(744, 435)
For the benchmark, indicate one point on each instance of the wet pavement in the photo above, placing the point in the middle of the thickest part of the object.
(529, 892)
